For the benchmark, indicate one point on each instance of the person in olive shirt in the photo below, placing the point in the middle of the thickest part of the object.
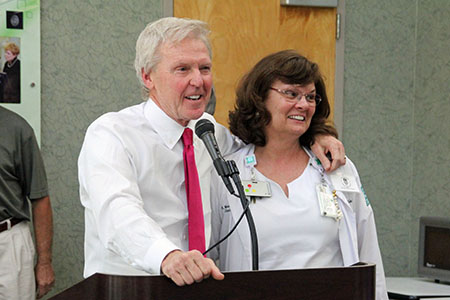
(23, 178)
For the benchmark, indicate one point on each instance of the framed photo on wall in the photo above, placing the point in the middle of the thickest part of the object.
(10, 70)
(20, 60)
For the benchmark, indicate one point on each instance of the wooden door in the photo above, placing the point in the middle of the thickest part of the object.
(244, 31)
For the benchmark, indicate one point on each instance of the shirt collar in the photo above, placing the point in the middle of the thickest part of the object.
(315, 162)
(166, 127)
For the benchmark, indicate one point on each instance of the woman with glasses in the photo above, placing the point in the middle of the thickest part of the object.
(304, 217)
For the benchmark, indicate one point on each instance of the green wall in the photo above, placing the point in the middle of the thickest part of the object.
(87, 60)
(395, 107)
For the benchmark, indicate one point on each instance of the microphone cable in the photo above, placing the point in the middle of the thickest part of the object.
(232, 229)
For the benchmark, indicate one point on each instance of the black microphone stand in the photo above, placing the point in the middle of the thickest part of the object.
(234, 173)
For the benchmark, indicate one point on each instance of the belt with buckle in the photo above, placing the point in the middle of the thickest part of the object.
(4, 226)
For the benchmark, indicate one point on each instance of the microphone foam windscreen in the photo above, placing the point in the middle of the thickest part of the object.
(203, 126)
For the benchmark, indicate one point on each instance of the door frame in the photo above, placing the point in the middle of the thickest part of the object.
(167, 6)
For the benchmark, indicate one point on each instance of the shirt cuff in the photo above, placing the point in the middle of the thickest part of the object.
(157, 252)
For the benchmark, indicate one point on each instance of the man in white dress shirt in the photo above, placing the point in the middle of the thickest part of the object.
(131, 170)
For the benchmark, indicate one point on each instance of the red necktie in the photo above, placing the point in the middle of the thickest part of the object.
(196, 225)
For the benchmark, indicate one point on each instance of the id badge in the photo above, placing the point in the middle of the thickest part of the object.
(253, 188)
(327, 202)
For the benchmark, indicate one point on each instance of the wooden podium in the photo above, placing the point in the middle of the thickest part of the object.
(346, 283)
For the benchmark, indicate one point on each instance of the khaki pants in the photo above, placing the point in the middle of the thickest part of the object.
(17, 263)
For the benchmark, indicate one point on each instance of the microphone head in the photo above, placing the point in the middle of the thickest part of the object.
(203, 126)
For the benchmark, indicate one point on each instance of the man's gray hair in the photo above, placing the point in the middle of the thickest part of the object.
(165, 30)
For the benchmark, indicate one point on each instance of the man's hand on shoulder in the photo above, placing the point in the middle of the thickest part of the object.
(328, 144)
(189, 267)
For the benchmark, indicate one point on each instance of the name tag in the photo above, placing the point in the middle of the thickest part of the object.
(225, 208)
(256, 188)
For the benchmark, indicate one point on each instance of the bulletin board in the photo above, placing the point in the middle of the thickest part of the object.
(20, 54)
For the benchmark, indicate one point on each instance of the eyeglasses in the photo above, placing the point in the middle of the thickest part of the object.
(293, 96)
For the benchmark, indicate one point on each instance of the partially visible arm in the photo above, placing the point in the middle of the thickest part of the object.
(328, 143)
(43, 230)
(112, 198)
(368, 248)
(216, 189)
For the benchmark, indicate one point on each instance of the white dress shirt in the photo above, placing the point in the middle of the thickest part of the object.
(132, 187)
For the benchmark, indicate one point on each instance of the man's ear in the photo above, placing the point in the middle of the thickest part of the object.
(147, 79)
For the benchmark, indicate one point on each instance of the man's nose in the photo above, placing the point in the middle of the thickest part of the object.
(196, 79)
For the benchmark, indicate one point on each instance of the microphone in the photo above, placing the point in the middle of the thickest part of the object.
(204, 129)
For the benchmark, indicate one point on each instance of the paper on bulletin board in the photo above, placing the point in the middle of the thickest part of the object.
(20, 32)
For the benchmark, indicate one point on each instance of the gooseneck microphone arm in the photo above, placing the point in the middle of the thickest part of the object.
(204, 129)
(248, 214)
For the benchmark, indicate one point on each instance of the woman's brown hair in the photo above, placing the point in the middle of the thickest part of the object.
(250, 115)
